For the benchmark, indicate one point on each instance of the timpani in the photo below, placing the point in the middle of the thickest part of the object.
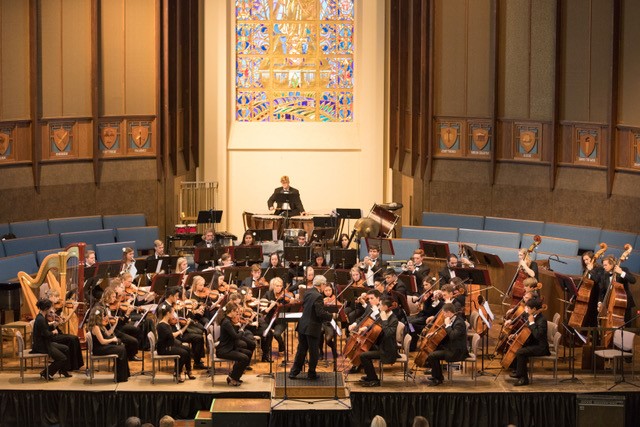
(268, 222)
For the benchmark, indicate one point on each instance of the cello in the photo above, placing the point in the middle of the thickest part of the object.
(614, 304)
(581, 303)
(517, 340)
(358, 342)
(516, 289)
(430, 340)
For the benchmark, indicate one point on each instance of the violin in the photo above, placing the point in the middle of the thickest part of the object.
(134, 290)
(284, 297)
(331, 301)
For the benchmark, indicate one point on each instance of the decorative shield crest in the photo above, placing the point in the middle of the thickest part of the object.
(140, 135)
(109, 135)
(4, 143)
(527, 140)
(637, 135)
(480, 138)
(448, 135)
(587, 144)
(61, 138)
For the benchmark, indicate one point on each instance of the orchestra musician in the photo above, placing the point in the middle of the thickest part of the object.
(309, 328)
(158, 250)
(124, 330)
(205, 299)
(318, 260)
(329, 333)
(229, 343)
(355, 309)
(105, 342)
(194, 332)
(392, 283)
(343, 241)
(459, 291)
(295, 203)
(248, 239)
(255, 324)
(372, 310)
(385, 347)
(373, 265)
(168, 342)
(536, 345)
(623, 276)
(447, 273)
(255, 279)
(43, 342)
(448, 297)
(526, 264)
(129, 262)
(417, 268)
(206, 242)
(89, 258)
(71, 341)
(594, 272)
(453, 347)
(276, 295)
(431, 303)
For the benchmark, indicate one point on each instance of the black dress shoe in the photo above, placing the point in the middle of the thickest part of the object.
(522, 381)
(266, 358)
(373, 383)
(355, 369)
(65, 374)
(135, 359)
(434, 382)
(46, 377)
(312, 377)
(514, 375)
(199, 365)
(293, 376)
(190, 376)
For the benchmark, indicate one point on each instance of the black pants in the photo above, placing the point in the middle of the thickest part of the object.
(241, 362)
(366, 361)
(128, 335)
(75, 351)
(278, 329)
(197, 345)
(122, 362)
(329, 338)
(522, 357)
(60, 355)
(185, 356)
(433, 361)
(306, 343)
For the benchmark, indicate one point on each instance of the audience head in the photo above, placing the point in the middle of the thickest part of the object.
(133, 422)
(378, 421)
(419, 421)
(166, 421)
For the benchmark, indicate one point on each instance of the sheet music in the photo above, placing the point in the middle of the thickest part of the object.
(159, 266)
(489, 312)
(484, 319)
(336, 328)
(297, 315)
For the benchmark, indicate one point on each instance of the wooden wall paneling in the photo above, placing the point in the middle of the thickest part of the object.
(613, 96)
(428, 164)
(95, 83)
(173, 85)
(425, 92)
(194, 105)
(160, 81)
(14, 55)
(556, 137)
(495, 64)
(183, 90)
(394, 80)
(35, 90)
(417, 92)
(166, 86)
(404, 74)
(112, 60)
(629, 101)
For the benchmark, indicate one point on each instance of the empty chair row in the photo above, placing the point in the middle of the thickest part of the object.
(43, 227)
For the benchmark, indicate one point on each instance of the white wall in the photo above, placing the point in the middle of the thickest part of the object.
(334, 165)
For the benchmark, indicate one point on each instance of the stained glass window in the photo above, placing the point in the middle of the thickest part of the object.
(294, 60)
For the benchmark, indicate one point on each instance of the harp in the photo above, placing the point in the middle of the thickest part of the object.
(62, 271)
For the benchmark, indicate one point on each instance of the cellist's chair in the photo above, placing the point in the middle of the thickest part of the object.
(24, 355)
(213, 338)
(556, 318)
(91, 358)
(552, 328)
(473, 359)
(623, 342)
(157, 358)
(553, 349)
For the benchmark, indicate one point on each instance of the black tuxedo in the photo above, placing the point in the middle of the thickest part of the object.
(295, 204)
(43, 343)
(309, 330)
(420, 272)
(378, 268)
(536, 345)
(385, 350)
(453, 347)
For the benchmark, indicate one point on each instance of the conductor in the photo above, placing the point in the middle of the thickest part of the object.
(310, 328)
(290, 199)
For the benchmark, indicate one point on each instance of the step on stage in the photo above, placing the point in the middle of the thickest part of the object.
(325, 387)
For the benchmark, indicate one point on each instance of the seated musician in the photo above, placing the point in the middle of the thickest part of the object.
(392, 283)
(205, 299)
(416, 267)
(255, 279)
(255, 324)
(385, 348)
(432, 302)
(453, 347)
(623, 276)
(229, 340)
(206, 242)
(89, 258)
(318, 260)
(129, 262)
(295, 203)
(105, 342)
(527, 296)
(592, 271)
(536, 345)
(71, 341)
(138, 296)
(459, 290)
(448, 297)
(158, 250)
(224, 261)
(327, 329)
(43, 342)
(125, 330)
(447, 273)
(355, 309)
(194, 331)
(343, 241)
(276, 296)
(248, 239)
(168, 342)
(373, 265)
(372, 310)
(307, 282)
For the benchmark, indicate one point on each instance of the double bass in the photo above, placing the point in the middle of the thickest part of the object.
(614, 304)
(581, 303)
(516, 289)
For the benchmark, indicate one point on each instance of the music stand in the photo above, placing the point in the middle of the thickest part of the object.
(205, 256)
(206, 275)
(287, 313)
(155, 265)
(141, 265)
(281, 272)
(108, 269)
(327, 272)
(385, 245)
(248, 254)
(343, 258)
(237, 274)
(297, 254)
(161, 282)
(347, 214)
(324, 222)
(486, 258)
(572, 348)
(435, 249)
(343, 276)
(262, 235)
(322, 234)
(211, 216)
